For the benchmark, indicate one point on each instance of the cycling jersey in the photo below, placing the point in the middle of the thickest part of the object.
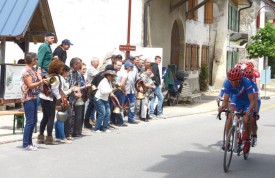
(220, 96)
(240, 94)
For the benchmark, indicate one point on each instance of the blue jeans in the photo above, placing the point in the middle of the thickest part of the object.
(158, 94)
(30, 108)
(59, 130)
(103, 110)
(132, 99)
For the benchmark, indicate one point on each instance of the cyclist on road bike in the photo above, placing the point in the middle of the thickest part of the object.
(249, 75)
(243, 95)
(256, 73)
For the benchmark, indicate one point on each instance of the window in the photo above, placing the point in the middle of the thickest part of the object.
(192, 15)
(232, 17)
(204, 55)
(232, 58)
(208, 12)
(192, 57)
(187, 57)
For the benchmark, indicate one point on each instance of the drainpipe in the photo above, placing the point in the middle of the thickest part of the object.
(145, 23)
(239, 13)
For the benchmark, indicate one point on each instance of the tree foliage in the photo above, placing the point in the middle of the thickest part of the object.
(263, 44)
(204, 77)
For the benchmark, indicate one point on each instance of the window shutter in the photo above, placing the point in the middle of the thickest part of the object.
(190, 6)
(187, 56)
(208, 12)
(198, 59)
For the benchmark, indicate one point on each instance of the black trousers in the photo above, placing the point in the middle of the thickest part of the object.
(48, 109)
(90, 108)
(78, 119)
(68, 125)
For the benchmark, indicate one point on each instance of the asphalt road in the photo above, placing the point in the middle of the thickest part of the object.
(183, 147)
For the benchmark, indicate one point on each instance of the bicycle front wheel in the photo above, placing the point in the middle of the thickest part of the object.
(228, 151)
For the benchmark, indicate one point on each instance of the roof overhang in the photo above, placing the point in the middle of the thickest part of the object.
(25, 19)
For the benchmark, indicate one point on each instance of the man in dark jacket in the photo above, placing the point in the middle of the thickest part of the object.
(61, 50)
(158, 93)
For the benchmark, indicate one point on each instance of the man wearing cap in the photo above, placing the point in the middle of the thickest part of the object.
(121, 93)
(45, 55)
(61, 50)
(130, 88)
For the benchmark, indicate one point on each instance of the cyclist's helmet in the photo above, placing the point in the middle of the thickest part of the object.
(241, 65)
(250, 65)
(248, 74)
(234, 74)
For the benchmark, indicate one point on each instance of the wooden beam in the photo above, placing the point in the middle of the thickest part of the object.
(2, 50)
(196, 7)
(177, 5)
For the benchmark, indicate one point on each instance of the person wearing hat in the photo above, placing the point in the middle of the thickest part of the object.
(130, 89)
(61, 50)
(101, 101)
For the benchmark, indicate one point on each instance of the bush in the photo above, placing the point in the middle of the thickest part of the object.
(204, 78)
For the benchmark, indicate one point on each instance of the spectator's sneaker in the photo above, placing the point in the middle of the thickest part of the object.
(151, 116)
(70, 138)
(246, 146)
(65, 141)
(30, 148)
(161, 116)
(254, 141)
(57, 139)
(107, 131)
(97, 131)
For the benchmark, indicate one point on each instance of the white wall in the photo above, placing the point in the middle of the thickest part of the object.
(197, 33)
(95, 27)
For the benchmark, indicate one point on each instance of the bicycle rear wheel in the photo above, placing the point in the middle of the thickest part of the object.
(228, 151)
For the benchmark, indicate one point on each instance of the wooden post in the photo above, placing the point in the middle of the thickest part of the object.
(27, 45)
(2, 50)
(129, 27)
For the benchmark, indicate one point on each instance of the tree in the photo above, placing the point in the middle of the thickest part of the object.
(203, 78)
(263, 44)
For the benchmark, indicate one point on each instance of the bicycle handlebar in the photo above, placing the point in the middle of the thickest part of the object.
(219, 114)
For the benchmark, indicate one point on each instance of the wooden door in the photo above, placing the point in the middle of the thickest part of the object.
(175, 45)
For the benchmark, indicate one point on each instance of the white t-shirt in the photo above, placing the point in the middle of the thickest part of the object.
(91, 72)
(104, 89)
(55, 91)
(120, 75)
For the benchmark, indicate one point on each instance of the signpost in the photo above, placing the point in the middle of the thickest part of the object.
(128, 47)
(266, 79)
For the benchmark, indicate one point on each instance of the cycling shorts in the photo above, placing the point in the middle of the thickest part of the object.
(239, 104)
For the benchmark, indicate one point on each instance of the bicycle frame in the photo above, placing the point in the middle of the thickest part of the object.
(238, 126)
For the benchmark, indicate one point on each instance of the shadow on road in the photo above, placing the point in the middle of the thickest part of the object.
(209, 163)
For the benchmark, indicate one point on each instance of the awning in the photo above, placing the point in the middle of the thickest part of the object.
(23, 20)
